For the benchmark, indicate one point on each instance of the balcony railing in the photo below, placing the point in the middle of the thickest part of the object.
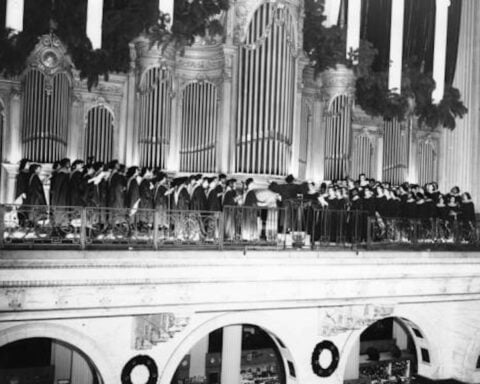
(299, 224)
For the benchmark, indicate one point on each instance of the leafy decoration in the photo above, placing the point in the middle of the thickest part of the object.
(123, 20)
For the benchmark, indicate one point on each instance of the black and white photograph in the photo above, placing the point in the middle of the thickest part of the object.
(239, 191)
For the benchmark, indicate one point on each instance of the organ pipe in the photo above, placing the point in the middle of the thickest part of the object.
(266, 84)
(338, 138)
(362, 161)
(45, 116)
(426, 163)
(199, 128)
(155, 117)
(99, 134)
(395, 152)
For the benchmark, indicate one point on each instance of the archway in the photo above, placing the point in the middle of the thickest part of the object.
(68, 336)
(390, 350)
(264, 322)
(46, 360)
(245, 351)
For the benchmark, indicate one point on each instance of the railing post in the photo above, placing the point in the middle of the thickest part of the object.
(155, 230)
(2, 225)
(83, 228)
(221, 229)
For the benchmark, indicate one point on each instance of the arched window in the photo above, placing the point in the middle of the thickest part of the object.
(338, 138)
(199, 128)
(362, 157)
(395, 152)
(99, 134)
(45, 116)
(427, 162)
(155, 116)
(266, 87)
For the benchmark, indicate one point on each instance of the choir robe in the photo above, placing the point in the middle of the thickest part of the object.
(133, 193)
(22, 183)
(229, 200)
(89, 195)
(146, 191)
(250, 223)
(61, 190)
(181, 199)
(77, 189)
(35, 191)
(214, 204)
(198, 201)
(467, 211)
(160, 202)
(116, 191)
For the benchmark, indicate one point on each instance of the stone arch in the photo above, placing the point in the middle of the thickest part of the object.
(409, 322)
(67, 335)
(221, 321)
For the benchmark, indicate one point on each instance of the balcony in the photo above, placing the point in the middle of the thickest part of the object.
(299, 225)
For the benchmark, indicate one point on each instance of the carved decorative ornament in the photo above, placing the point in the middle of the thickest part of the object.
(50, 56)
(150, 330)
(336, 320)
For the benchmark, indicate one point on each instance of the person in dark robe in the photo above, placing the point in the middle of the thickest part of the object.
(53, 176)
(229, 203)
(180, 205)
(93, 178)
(354, 216)
(288, 192)
(35, 196)
(198, 200)
(221, 186)
(116, 186)
(76, 185)
(132, 196)
(146, 190)
(21, 189)
(22, 180)
(61, 194)
(250, 213)
(368, 216)
(467, 213)
(214, 203)
(160, 200)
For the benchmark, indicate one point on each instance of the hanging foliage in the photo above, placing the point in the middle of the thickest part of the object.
(123, 20)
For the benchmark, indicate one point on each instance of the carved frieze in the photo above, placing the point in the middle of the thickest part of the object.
(338, 81)
(336, 320)
(149, 330)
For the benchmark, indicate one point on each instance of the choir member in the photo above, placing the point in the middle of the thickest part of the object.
(146, 190)
(35, 195)
(132, 197)
(160, 199)
(214, 203)
(198, 201)
(61, 193)
(22, 181)
(116, 186)
(229, 201)
(250, 215)
(467, 211)
(181, 198)
(76, 185)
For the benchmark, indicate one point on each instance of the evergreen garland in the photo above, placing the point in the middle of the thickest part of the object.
(123, 20)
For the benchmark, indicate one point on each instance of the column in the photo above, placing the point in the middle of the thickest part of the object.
(331, 12)
(400, 335)
(94, 22)
(231, 354)
(14, 15)
(62, 361)
(224, 127)
(197, 358)
(166, 6)
(353, 27)
(352, 365)
(440, 49)
(396, 46)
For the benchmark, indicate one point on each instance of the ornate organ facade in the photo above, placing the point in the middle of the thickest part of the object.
(244, 104)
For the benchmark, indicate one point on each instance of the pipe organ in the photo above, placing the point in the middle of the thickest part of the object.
(155, 108)
(266, 86)
(395, 153)
(45, 116)
(427, 162)
(99, 134)
(199, 127)
(338, 132)
(363, 157)
(239, 104)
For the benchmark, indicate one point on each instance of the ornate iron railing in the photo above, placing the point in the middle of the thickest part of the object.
(298, 224)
